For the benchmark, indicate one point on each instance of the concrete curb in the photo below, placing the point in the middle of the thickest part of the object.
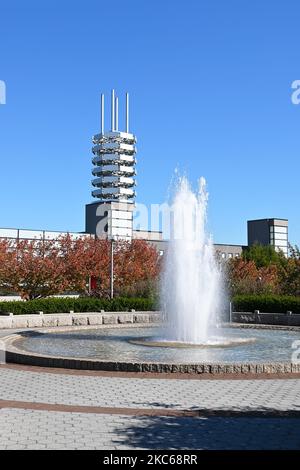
(77, 319)
(14, 354)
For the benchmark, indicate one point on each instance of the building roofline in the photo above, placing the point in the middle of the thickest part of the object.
(43, 230)
(230, 244)
(147, 231)
(151, 241)
(269, 218)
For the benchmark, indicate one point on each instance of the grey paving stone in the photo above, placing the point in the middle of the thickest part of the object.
(239, 395)
(31, 428)
(146, 432)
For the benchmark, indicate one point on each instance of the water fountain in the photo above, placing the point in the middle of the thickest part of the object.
(192, 293)
(192, 339)
(191, 288)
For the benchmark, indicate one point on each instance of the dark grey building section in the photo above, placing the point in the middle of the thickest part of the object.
(91, 219)
(109, 219)
(258, 231)
(272, 232)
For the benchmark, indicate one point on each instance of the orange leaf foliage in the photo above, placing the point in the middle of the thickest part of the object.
(41, 268)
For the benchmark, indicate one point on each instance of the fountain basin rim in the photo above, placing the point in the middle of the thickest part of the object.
(15, 355)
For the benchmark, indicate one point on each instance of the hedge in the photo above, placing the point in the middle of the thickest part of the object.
(241, 303)
(266, 303)
(81, 304)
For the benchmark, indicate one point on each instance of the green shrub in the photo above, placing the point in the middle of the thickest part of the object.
(81, 304)
(266, 303)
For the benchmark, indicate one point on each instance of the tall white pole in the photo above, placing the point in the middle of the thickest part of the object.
(112, 110)
(127, 112)
(116, 113)
(102, 113)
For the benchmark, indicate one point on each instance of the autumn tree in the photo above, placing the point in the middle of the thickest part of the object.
(289, 274)
(83, 258)
(244, 277)
(264, 255)
(33, 269)
(40, 268)
(6, 255)
(137, 266)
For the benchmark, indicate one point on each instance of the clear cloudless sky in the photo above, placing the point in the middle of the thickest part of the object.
(210, 87)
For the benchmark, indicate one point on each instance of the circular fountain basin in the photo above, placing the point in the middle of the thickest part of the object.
(124, 349)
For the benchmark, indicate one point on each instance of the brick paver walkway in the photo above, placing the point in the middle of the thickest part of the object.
(27, 429)
(189, 394)
(22, 428)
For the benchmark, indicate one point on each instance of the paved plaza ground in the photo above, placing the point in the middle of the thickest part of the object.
(64, 409)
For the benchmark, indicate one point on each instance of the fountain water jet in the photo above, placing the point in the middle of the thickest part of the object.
(191, 288)
(191, 291)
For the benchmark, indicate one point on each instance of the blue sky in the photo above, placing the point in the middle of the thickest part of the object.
(210, 85)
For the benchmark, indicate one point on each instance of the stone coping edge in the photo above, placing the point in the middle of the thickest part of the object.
(13, 354)
(262, 326)
(78, 319)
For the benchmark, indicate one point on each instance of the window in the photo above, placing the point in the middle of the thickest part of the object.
(282, 248)
(278, 229)
(280, 236)
(223, 255)
(229, 255)
(281, 243)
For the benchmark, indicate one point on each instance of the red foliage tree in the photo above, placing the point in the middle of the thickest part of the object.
(33, 269)
(244, 277)
(137, 265)
(40, 268)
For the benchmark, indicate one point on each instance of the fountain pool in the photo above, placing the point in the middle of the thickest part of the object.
(123, 344)
(191, 339)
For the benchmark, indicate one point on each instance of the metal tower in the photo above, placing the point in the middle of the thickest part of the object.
(114, 158)
(113, 177)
